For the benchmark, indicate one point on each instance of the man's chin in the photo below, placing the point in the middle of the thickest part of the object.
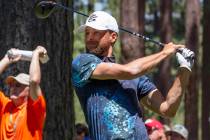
(97, 51)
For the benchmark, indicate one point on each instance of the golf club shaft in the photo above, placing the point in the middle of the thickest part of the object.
(70, 9)
(145, 38)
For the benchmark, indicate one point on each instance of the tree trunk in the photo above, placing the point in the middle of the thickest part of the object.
(21, 29)
(205, 73)
(156, 23)
(163, 78)
(58, 35)
(164, 74)
(132, 18)
(191, 97)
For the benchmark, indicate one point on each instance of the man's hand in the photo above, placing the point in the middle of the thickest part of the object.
(171, 48)
(6, 61)
(12, 58)
(40, 51)
(185, 58)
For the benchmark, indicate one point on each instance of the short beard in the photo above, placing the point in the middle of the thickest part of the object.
(98, 51)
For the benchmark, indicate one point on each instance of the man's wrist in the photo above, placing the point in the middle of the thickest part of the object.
(6, 60)
(184, 67)
(35, 54)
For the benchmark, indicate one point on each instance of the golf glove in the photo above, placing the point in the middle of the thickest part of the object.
(185, 58)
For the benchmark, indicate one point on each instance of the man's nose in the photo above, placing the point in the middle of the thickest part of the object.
(90, 37)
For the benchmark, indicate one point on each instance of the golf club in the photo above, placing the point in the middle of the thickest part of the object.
(44, 9)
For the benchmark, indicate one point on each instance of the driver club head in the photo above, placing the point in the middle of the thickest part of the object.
(44, 9)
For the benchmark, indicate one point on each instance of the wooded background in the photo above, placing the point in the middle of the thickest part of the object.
(180, 21)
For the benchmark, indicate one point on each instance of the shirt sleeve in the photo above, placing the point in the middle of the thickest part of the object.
(144, 87)
(3, 101)
(37, 110)
(82, 68)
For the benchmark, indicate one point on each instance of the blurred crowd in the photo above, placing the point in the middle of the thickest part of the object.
(158, 131)
(155, 129)
(81, 132)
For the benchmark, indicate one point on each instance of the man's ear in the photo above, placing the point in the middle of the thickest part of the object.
(114, 36)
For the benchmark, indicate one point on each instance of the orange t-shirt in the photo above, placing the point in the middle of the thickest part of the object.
(24, 122)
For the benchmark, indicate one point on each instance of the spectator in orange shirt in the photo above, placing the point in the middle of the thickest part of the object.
(22, 115)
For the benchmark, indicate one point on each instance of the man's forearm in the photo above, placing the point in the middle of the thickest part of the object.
(145, 64)
(34, 71)
(176, 92)
(4, 63)
(35, 77)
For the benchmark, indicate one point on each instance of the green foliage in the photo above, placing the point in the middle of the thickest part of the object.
(79, 45)
(79, 114)
(114, 7)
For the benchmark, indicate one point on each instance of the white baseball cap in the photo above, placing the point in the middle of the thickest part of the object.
(21, 78)
(179, 129)
(100, 20)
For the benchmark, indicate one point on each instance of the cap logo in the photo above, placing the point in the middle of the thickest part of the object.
(92, 18)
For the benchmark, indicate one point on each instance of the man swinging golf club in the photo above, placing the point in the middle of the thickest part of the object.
(110, 93)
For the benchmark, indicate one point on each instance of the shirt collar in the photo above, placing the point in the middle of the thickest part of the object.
(108, 59)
